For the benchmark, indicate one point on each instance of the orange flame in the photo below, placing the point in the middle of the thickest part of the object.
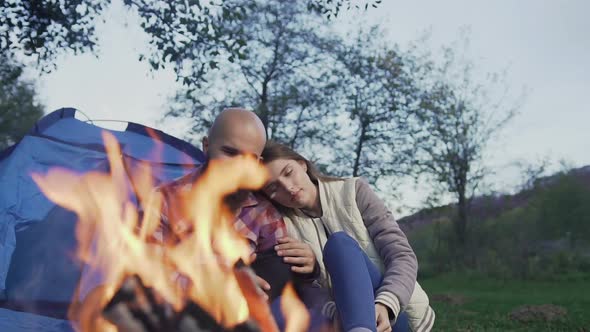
(113, 241)
(296, 315)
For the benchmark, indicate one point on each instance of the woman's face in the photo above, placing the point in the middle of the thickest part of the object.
(289, 184)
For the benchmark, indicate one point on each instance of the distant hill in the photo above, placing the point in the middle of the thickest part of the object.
(490, 206)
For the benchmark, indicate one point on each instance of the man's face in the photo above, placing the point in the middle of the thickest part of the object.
(236, 143)
(233, 144)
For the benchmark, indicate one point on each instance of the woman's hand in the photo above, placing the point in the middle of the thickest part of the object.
(382, 318)
(296, 253)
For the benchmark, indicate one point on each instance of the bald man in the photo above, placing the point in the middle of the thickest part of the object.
(234, 132)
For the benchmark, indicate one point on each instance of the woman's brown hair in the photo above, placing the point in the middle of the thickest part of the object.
(274, 150)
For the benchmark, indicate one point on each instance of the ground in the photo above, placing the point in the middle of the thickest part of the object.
(464, 303)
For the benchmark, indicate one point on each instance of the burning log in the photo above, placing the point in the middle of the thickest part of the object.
(136, 308)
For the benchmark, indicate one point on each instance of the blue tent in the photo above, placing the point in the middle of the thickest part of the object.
(38, 271)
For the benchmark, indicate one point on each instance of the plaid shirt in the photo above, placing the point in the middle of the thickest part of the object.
(257, 219)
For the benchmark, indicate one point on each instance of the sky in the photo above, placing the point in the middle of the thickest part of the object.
(544, 45)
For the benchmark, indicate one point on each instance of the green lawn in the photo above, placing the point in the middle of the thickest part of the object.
(488, 303)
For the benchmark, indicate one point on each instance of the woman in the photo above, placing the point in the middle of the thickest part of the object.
(364, 257)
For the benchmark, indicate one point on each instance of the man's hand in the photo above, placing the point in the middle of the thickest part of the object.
(296, 253)
(263, 284)
(382, 318)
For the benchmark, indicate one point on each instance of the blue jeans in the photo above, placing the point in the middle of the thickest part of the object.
(354, 282)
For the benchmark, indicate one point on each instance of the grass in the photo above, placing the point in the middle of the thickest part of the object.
(489, 303)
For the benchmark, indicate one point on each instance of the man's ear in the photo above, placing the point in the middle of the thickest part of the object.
(205, 144)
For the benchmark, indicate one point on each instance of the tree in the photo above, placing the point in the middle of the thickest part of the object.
(183, 34)
(458, 120)
(42, 29)
(561, 208)
(377, 93)
(331, 8)
(18, 108)
(532, 172)
(347, 105)
(186, 35)
(281, 76)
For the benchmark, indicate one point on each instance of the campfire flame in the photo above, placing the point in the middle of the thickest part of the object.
(296, 314)
(114, 241)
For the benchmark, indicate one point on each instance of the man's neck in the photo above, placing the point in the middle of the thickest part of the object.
(235, 201)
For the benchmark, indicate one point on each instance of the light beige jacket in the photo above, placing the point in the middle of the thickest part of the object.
(341, 213)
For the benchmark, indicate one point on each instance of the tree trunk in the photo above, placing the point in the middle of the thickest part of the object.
(264, 111)
(461, 222)
(358, 151)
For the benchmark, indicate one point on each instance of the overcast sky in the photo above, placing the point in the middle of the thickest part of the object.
(545, 45)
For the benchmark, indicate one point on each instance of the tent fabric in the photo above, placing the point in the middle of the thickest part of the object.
(14, 321)
(34, 272)
(37, 238)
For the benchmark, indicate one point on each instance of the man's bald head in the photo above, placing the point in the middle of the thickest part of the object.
(235, 131)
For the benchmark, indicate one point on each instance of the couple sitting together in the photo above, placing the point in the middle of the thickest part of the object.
(348, 258)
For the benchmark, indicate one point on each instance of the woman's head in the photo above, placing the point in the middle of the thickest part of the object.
(293, 179)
